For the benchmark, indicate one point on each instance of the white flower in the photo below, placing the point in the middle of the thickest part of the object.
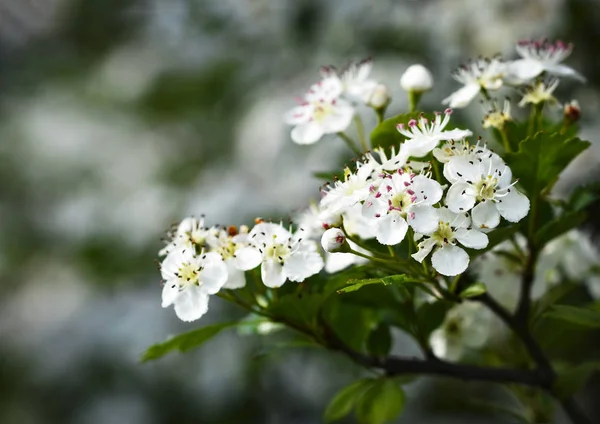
(227, 244)
(496, 117)
(380, 97)
(487, 183)
(423, 136)
(283, 256)
(333, 240)
(478, 74)
(344, 194)
(189, 234)
(335, 262)
(355, 80)
(416, 78)
(466, 326)
(189, 279)
(321, 112)
(452, 228)
(540, 92)
(542, 56)
(452, 148)
(402, 197)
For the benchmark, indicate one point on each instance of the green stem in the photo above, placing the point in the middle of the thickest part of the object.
(413, 100)
(505, 141)
(360, 129)
(454, 283)
(391, 250)
(349, 142)
(380, 112)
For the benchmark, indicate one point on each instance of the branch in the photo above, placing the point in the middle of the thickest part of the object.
(524, 306)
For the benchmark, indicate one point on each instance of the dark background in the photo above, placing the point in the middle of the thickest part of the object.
(119, 117)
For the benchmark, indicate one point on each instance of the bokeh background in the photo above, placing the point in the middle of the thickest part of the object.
(120, 117)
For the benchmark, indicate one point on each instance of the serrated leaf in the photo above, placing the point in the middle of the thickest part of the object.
(541, 158)
(381, 403)
(473, 290)
(572, 380)
(560, 225)
(344, 400)
(574, 315)
(379, 341)
(386, 135)
(186, 341)
(354, 285)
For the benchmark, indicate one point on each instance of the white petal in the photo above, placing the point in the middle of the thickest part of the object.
(235, 277)
(191, 304)
(339, 119)
(425, 219)
(391, 229)
(307, 133)
(485, 215)
(460, 197)
(170, 292)
(514, 206)
(450, 260)
(272, 274)
(335, 262)
(424, 249)
(564, 71)
(213, 275)
(247, 258)
(471, 238)
(465, 168)
(373, 208)
(455, 134)
(298, 115)
(462, 97)
(523, 70)
(428, 191)
(302, 265)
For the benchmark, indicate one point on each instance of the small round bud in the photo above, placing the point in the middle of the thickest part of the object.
(380, 97)
(416, 78)
(572, 112)
(333, 240)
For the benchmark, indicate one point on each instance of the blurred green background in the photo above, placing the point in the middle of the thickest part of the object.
(120, 117)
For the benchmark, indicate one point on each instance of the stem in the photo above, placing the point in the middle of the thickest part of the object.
(360, 129)
(413, 100)
(505, 140)
(380, 112)
(349, 142)
(391, 250)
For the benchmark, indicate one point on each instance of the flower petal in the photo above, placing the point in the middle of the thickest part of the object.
(272, 274)
(523, 70)
(450, 260)
(213, 275)
(424, 220)
(471, 238)
(170, 292)
(298, 115)
(425, 248)
(514, 206)
(340, 118)
(302, 265)
(564, 71)
(460, 197)
(307, 133)
(428, 191)
(391, 229)
(462, 97)
(235, 277)
(247, 258)
(191, 304)
(485, 215)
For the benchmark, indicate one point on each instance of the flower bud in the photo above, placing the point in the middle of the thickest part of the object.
(572, 112)
(380, 97)
(334, 240)
(416, 78)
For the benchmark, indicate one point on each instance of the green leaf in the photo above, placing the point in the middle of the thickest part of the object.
(350, 323)
(379, 341)
(382, 402)
(431, 315)
(186, 341)
(386, 135)
(570, 381)
(300, 309)
(541, 158)
(574, 315)
(354, 285)
(473, 290)
(584, 196)
(343, 402)
(560, 225)
(552, 296)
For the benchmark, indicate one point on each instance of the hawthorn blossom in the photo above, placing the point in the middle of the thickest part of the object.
(356, 84)
(479, 74)
(342, 195)
(227, 243)
(189, 279)
(496, 117)
(540, 92)
(283, 255)
(416, 78)
(190, 233)
(402, 199)
(542, 56)
(466, 327)
(320, 112)
(423, 136)
(451, 228)
(333, 240)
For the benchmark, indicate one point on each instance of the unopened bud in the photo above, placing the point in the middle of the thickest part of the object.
(380, 97)
(334, 240)
(572, 112)
(416, 78)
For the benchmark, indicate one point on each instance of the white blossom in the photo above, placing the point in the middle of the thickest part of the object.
(402, 199)
(477, 74)
(380, 97)
(496, 117)
(356, 84)
(416, 78)
(342, 195)
(189, 279)
(542, 56)
(190, 233)
(540, 92)
(484, 185)
(320, 112)
(283, 256)
(227, 243)
(451, 229)
(333, 240)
